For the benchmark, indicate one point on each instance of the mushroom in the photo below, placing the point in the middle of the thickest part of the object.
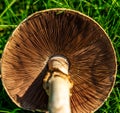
(59, 60)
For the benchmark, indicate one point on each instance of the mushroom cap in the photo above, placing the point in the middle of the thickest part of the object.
(59, 32)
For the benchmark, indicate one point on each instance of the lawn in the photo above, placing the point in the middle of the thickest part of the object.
(105, 12)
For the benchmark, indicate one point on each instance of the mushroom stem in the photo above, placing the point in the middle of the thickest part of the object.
(57, 84)
(59, 95)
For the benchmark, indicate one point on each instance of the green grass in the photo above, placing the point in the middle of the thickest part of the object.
(105, 12)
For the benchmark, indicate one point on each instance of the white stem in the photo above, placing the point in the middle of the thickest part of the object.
(57, 85)
(59, 95)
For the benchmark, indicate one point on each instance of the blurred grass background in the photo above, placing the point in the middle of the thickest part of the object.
(105, 12)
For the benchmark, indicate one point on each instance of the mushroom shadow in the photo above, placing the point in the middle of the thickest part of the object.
(35, 98)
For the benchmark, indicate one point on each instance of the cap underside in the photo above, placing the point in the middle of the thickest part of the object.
(59, 32)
